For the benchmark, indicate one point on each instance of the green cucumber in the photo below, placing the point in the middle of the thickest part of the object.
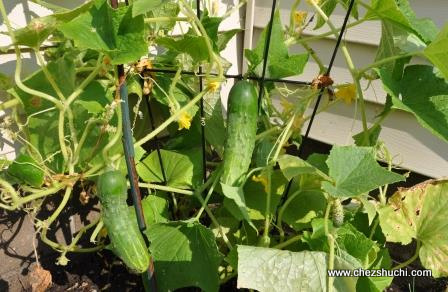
(126, 240)
(242, 112)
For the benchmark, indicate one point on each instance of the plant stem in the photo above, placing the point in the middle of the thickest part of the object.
(117, 136)
(330, 280)
(410, 260)
(387, 60)
(351, 68)
(288, 242)
(61, 136)
(282, 210)
(267, 213)
(53, 217)
(164, 188)
(210, 192)
(171, 119)
(323, 35)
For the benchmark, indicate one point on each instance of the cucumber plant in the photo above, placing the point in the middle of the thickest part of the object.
(267, 217)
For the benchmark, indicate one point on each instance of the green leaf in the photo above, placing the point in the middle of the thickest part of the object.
(268, 269)
(357, 244)
(195, 46)
(318, 160)
(236, 202)
(388, 47)
(185, 254)
(143, 6)
(424, 27)
(94, 97)
(114, 32)
(303, 207)
(255, 195)
(420, 212)
(280, 64)
(224, 37)
(437, 51)
(376, 284)
(317, 240)
(27, 170)
(155, 209)
(39, 29)
(182, 168)
(215, 130)
(292, 166)
(355, 171)
(328, 7)
(373, 133)
(401, 13)
(422, 93)
(168, 8)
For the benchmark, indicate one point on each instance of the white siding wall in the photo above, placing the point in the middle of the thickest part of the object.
(418, 150)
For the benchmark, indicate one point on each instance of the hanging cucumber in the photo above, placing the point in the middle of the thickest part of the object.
(242, 112)
(126, 240)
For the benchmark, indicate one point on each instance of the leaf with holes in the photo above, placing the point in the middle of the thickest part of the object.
(420, 213)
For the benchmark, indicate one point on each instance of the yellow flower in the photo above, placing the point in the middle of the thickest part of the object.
(184, 121)
(299, 17)
(346, 92)
(261, 179)
(213, 85)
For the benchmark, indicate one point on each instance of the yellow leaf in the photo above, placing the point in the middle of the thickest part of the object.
(184, 121)
(346, 92)
(261, 179)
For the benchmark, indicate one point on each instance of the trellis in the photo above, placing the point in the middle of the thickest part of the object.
(149, 276)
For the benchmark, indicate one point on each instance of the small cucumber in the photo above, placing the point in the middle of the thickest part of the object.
(126, 240)
(242, 112)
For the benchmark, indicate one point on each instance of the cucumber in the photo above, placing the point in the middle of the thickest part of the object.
(337, 213)
(126, 240)
(242, 112)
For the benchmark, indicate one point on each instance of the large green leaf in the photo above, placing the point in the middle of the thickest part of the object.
(280, 64)
(182, 168)
(168, 8)
(420, 213)
(437, 51)
(422, 93)
(268, 269)
(114, 32)
(355, 171)
(185, 254)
